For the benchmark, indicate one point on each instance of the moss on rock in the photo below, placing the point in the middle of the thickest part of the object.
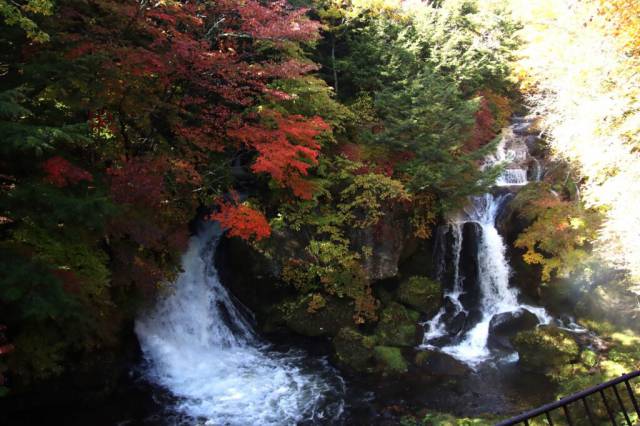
(326, 321)
(389, 360)
(353, 349)
(397, 326)
(546, 348)
(422, 294)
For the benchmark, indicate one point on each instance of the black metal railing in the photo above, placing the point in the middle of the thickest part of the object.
(562, 408)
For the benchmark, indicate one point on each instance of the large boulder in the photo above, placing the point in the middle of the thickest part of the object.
(503, 327)
(389, 360)
(545, 348)
(398, 326)
(439, 364)
(421, 294)
(325, 321)
(354, 350)
(387, 241)
(455, 323)
(249, 275)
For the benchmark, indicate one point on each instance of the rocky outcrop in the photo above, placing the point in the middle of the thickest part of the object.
(354, 350)
(422, 294)
(390, 360)
(546, 348)
(296, 316)
(249, 275)
(387, 241)
(503, 327)
(439, 364)
(398, 326)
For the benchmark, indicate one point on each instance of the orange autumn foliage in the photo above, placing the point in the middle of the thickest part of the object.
(241, 220)
(287, 148)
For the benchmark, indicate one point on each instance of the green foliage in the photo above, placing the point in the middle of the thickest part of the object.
(22, 15)
(362, 202)
(442, 419)
(469, 42)
(310, 97)
(426, 115)
(422, 71)
(30, 290)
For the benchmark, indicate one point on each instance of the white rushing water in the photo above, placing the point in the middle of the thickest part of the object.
(497, 296)
(200, 347)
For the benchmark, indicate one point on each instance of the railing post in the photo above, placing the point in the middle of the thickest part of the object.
(633, 398)
(622, 407)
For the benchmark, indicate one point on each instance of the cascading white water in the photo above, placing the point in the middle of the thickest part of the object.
(512, 177)
(493, 269)
(436, 328)
(201, 348)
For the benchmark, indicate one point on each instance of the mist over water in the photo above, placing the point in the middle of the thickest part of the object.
(201, 348)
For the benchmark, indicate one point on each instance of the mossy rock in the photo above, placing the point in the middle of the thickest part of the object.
(389, 360)
(439, 364)
(397, 326)
(546, 348)
(421, 294)
(353, 350)
(326, 321)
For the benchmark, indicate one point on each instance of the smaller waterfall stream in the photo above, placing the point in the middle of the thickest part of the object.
(201, 348)
(493, 271)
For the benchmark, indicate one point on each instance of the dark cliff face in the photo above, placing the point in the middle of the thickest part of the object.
(388, 241)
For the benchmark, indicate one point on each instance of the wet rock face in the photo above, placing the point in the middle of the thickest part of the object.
(456, 323)
(439, 364)
(503, 327)
(471, 237)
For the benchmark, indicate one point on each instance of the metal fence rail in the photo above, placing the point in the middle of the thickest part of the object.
(612, 407)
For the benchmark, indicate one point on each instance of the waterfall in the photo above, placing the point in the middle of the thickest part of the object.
(201, 348)
(493, 270)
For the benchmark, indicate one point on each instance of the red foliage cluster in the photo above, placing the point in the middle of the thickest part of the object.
(193, 64)
(274, 22)
(241, 221)
(381, 164)
(483, 131)
(130, 268)
(139, 182)
(61, 173)
(287, 149)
